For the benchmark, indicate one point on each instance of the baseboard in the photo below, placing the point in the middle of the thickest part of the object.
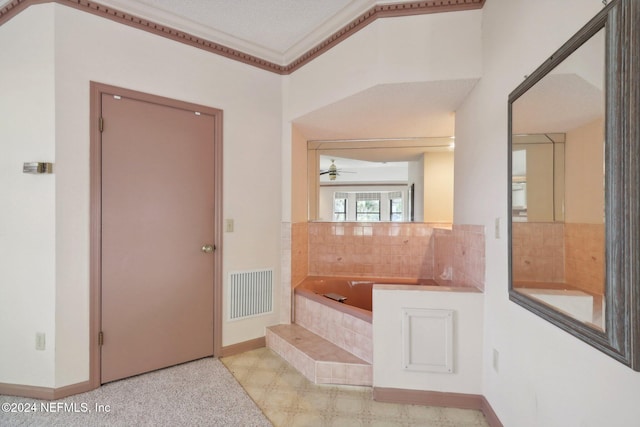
(435, 398)
(241, 347)
(49, 393)
(44, 393)
(430, 398)
(489, 414)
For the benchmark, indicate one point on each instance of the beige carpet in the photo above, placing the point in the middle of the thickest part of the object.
(200, 393)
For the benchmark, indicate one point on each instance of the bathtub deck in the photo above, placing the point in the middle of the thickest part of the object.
(321, 361)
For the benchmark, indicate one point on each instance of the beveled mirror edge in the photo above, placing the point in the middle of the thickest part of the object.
(621, 20)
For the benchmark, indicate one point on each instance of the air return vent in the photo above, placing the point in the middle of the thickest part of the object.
(251, 293)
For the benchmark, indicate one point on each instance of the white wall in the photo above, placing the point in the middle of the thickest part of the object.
(27, 212)
(546, 377)
(441, 46)
(438, 186)
(88, 48)
(405, 49)
(388, 344)
(584, 174)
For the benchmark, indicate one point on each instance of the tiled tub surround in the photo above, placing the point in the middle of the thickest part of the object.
(286, 292)
(349, 327)
(451, 255)
(347, 330)
(319, 360)
(334, 344)
(584, 255)
(329, 346)
(563, 253)
(356, 291)
(538, 251)
(459, 256)
(299, 252)
(329, 342)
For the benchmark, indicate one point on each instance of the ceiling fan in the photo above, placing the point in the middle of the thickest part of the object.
(333, 171)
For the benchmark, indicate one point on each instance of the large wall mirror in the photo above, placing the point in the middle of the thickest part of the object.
(378, 180)
(573, 185)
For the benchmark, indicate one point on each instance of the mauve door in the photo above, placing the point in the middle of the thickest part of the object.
(157, 214)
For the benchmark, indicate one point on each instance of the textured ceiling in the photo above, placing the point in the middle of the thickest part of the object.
(275, 30)
(273, 24)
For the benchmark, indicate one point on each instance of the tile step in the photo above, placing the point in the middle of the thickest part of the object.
(321, 361)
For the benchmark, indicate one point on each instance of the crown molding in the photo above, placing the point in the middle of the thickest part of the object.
(196, 29)
(325, 30)
(381, 11)
(16, 6)
(246, 52)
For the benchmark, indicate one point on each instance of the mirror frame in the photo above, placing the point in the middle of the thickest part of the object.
(621, 337)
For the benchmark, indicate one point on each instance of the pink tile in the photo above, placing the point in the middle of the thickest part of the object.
(358, 374)
(338, 372)
(323, 370)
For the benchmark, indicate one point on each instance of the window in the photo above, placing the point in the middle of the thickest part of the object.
(340, 206)
(395, 206)
(368, 207)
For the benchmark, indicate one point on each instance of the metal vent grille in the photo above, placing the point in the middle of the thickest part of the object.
(251, 293)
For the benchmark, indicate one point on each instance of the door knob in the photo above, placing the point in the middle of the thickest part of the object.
(208, 249)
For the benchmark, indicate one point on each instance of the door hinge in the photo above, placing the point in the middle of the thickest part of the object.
(100, 338)
(100, 124)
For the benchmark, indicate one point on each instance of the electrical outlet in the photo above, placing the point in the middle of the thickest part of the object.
(496, 359)
(41, 341)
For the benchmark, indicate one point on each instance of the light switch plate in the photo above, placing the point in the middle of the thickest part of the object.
(41, 341)
(37, 167)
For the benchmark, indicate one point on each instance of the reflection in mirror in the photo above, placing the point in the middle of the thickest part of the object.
(357, 190)
(558, 246)
(581, 274)
(538, 177)
(409, 179)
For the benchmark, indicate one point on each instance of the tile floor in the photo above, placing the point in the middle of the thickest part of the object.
(288, 399)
